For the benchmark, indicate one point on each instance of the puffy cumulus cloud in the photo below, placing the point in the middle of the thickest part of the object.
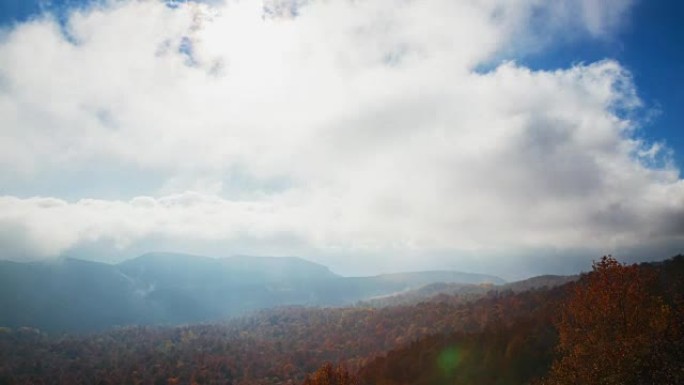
(332, 128)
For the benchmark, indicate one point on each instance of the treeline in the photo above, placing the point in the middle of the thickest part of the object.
(618, 325)
(500, 338)
(511, 354)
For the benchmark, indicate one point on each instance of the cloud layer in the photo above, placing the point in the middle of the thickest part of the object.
(326, 128)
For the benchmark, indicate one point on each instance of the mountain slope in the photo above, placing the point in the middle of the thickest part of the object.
(173, 288)
(69, 294)
(505, 337)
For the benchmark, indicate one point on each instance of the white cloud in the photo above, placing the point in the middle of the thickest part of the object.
(346, 127)
(603, 18)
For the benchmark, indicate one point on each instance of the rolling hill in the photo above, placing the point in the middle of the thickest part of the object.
(171, 288)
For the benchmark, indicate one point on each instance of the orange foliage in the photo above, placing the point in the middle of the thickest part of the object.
(613, 327)
(329, 375)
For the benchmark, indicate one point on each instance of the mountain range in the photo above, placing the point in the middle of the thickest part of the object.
(72, 295)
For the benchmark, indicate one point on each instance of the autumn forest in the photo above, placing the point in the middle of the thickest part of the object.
(617, 324)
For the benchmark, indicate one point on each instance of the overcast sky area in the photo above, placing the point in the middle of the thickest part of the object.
(511, 137)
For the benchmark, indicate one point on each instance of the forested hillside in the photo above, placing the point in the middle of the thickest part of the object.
(503, 337)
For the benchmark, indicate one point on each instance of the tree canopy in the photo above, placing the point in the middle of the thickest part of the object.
(616, 328)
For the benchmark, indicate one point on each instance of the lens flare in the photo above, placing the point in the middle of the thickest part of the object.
(449, 359)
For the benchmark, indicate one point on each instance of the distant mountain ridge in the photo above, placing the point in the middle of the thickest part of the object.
(172, 288)
(467, 291)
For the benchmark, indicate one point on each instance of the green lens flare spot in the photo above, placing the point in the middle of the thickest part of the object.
(448, 360)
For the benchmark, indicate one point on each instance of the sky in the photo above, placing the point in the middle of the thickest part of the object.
(512, 137)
